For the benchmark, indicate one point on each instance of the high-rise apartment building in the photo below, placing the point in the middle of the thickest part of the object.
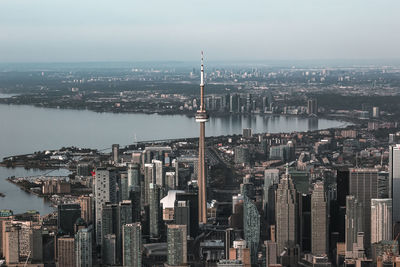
(177, 245)
(319, 220)
(105, 191)
(132, 245)
(154, 210)
(86, 203)
(149, 178)
(115, 153)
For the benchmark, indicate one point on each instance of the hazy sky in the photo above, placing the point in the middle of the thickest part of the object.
(140, 30)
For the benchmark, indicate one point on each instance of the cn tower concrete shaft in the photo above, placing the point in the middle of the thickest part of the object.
(202, 177)
(202, 117)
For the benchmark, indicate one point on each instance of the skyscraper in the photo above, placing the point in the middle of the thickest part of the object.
(105, 191)
(83, 248)
(154, 210)
(65, 252)
(132, 245)
(381, 223)
(319, 220)
(115, 153)
(364, 186)
(354, 226)
(149, 178)
(286, 213)
(177, 245)
(394, 183)
(202, 118)
(67, 216)
(271, 176)
(134, 177)
(86, 203)
(251, 227)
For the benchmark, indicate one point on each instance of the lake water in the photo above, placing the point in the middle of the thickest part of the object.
(26, 129)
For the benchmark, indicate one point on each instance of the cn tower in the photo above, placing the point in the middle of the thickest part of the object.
(202, 117)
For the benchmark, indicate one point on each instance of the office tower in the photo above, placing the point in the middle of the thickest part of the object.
(312, 106)
(182, 214)
(271, 176)
(109, 221)
(177, 245)
(251, 227)
(364, 186)
(383, 184)
(86, 203)
(124, 188)
(67, 216)
(159, 172)
(271, 253)
(342, 181)
(132, 245)
(286, 213)
(202, 118)
(319, 220)
(134, 177)
(394, 184)
(375, 112)
(354, 225)
(36, 243)
(115, 153)
(154, 210)
(381, 220)
(24, 238)
(105, 191)
(83, 248)
(192, 199)
(149, 178)
(124, 217)
(109, 256)
(11, 243)
(304, 223)
(65, 252)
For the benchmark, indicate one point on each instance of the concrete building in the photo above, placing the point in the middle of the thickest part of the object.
(109, 256)
(11, 248)
(319, 220)
(132, 245)
(86, 203)
(271, 253)
(202, 118)
(105, 191)
(381, 220)
(177, 245)
(66, 252)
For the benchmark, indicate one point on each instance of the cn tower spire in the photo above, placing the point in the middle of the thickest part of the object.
(202, 117)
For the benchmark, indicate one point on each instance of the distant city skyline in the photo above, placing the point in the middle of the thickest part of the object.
(70, 31)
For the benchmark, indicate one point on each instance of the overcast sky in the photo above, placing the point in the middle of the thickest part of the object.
(158, 30)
